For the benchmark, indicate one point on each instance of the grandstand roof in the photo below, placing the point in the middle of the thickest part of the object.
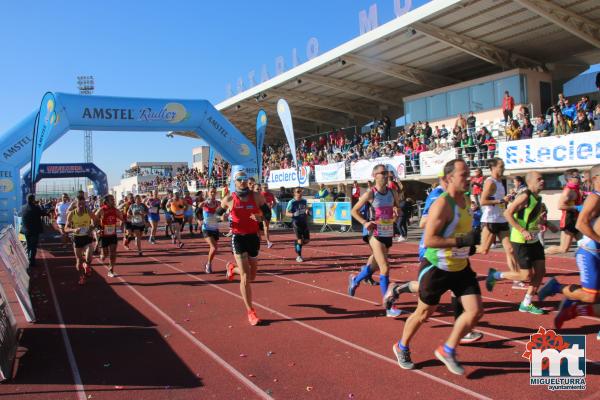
(439, 43)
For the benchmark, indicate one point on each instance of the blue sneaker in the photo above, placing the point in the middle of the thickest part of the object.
(490, 281)
(550, 288)
(352, 285)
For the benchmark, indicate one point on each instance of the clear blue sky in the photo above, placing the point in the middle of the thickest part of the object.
(185, 49)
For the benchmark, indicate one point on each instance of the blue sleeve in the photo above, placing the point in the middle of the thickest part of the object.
(433, 196)
(290, 206)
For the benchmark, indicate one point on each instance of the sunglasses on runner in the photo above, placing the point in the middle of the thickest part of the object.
(241, 178)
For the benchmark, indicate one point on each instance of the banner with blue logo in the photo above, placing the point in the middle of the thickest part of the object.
(46, 119)
(289, 178)
(575, 150)
(261, 130)
(338, 213)
(285, 115)
(334, 172)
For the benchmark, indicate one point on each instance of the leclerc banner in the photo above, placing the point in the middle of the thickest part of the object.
(553, 151)
(289, 178)
(362, 170)
(330, 173)
(432, 163)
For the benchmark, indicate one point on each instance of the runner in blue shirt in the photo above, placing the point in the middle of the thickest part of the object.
(297, 208)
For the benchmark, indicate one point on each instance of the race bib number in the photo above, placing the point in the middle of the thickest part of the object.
(110, 230)
(211, 222)
(385, 228)
(84, 230)
(460, 253)
(179, 213)
(153, 210)
(137, 219)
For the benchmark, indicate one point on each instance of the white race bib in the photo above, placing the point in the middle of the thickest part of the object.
(109, 230)
(153, 210)
(83, 230)
(385, 228)
(138, 220)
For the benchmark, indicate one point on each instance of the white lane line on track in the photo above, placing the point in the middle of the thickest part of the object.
(241, 377)
(331, 336)
(79, 389)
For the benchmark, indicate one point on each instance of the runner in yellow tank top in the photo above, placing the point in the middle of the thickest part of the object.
(79, 223)
(449, 241)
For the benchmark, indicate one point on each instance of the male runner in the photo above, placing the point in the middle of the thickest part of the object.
(136, 214)
(582, 299)
(570, 203)
(493, 204)
(297, 209)
(126, 223)
(448, 239)
(270, 200)
(167, 211)
(79, 222)
(210, 226)
(245, 208)
(62, 210)
(198, 213)
(177, 206)
(523, 215)
(153, 204)
(107, 216)
(188, 214)
(381, 231)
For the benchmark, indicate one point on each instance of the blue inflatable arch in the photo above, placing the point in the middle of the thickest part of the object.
(61, 112)
(68, 170)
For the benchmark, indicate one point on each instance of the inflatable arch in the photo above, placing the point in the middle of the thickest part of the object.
(61, 112)
(68, 170)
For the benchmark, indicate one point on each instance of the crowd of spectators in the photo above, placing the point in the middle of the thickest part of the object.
(184, 177)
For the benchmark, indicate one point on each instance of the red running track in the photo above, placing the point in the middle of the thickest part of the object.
(165, 330)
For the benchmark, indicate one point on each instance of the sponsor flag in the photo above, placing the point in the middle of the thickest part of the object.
(46, 119)
(285, 115)
(211, 160)
(261, 129)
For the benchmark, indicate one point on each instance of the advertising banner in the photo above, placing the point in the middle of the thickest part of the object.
(289, 178)
(318, 213)
(433, 162)
(278, 213)
(550, 152)
(362, 170)
(46, 119)
(15, 262)
(261, 130)
(285, 115)
(338, 213)
(8, 337)
(330, 173)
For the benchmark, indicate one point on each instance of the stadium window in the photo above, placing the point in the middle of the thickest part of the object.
(482, 97)
(513, 85)
(436, 107)
(458, 101)
(553, 181)
(416, 110)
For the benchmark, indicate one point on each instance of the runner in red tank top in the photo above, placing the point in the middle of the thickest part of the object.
(246, 210)
(108, 216)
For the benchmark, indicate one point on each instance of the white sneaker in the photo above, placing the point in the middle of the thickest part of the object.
(269, 245)
(208, 268)
(299, 259)
(400, 239)
(111, 274)
(519, 285)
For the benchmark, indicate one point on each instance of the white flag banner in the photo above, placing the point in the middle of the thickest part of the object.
(330, 173)
(433, 162)
(362, 170)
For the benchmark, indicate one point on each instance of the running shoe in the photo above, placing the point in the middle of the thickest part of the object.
(567, 310)
(81, 280)
(550, 288)
(403, 357)
(449, 360)
(172, 239)
(352, 285)
(399, 239)
(111, 274)
(531, 309)
(471, 337)
(390, 296)
(229, 271)
(490, 281)
(252, 318)
(299, 259)
(208, 268)
(180, 245)
(519, 285)
(393, 312)
(269, 245)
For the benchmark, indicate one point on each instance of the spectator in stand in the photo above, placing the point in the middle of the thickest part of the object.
(427, 131)
(468, 149)
(581, 123)
(568, 110)
(562, 126)
(460, 122)
(323, 193)
(443, 131)
(490, 143)
(513, 130)
(596, 118)
(340, 193)
(526, 129)
(471, 123)
(387, 129)
(508, 105)
(524, 112)
(543, 128)
(355, 192)
(477, 186)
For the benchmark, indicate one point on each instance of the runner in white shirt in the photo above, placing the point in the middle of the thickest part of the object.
(62, 210)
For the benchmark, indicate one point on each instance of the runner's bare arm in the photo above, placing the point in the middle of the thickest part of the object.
(489, 188)
(584, 221)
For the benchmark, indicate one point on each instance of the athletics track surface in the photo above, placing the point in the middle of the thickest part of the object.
(166, 330)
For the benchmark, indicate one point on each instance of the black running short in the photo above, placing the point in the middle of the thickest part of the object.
(180, 221)
(249, 244)
(137, 227)
(527, 254)
(387, 241)
(497, 227)
(106, 241)
(81, 241)
(434, 282)
(212, 234)
(568, 222)
(301, 230)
